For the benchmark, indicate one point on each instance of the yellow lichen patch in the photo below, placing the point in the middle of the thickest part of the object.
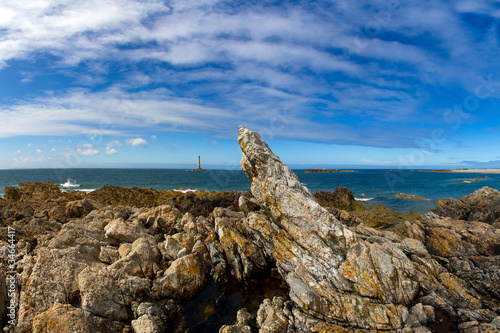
(209, 310)
(443, 242)
(457, 289)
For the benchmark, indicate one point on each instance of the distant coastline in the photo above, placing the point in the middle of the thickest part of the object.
(488, 171)
(326, 170)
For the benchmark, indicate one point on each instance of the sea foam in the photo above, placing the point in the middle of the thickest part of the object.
(70, 183)
(185, 190)
(363, 199)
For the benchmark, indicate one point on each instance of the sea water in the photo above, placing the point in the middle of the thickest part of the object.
(373, 186)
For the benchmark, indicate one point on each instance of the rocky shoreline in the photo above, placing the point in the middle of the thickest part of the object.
(140, 260)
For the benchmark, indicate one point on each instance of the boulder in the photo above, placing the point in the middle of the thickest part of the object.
(62, 318)
(184, 278)
(141, 260)
(342, 198)
(147, 324)
(108, 292)
(80, 208)
(178, 245)
(482, 205)
(121, 231)
(52, 279)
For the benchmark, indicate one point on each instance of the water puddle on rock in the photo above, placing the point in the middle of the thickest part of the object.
(218, 304)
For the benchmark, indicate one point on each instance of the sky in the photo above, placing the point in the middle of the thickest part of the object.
(145, 83)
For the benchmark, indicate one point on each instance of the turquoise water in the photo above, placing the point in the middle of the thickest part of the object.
(374, 186)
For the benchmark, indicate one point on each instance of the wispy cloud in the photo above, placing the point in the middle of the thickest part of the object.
(313, 72)
(114, 143)
(479, 164)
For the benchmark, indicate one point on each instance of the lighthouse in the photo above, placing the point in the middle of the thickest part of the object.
(199, 165)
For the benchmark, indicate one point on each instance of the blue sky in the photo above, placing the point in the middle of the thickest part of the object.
(393, 83)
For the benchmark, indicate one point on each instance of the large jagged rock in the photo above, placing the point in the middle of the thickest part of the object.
(313, 250)
(367, 279)
(482, 205)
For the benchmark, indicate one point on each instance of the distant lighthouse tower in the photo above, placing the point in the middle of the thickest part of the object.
(199, 165)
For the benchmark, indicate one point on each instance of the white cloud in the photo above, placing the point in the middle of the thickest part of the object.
(153, 137)
(114, 143)
(87, 152)
(38, 151)
(53, 150)
(29, 145)
(111, 151)
(136, 142)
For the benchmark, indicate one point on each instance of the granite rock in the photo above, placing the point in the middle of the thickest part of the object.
(482, 205)
(364, 279)
(61, 318)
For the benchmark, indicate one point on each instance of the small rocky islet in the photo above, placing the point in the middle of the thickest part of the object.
(136, 260)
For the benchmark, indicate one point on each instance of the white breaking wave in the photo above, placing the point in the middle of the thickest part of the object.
(363, 199)
(70, 183)
(186, 190)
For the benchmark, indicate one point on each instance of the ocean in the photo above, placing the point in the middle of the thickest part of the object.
(374, 186)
